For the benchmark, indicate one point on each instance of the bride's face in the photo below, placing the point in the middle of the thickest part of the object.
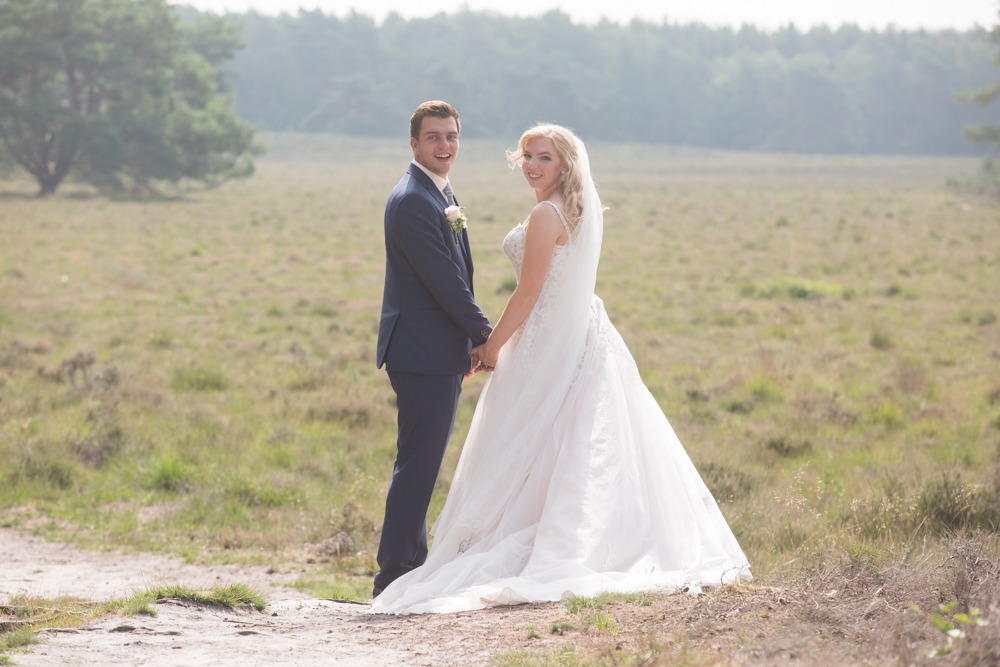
(541, 164)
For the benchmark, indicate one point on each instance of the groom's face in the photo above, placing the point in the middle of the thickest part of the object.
(436, 146)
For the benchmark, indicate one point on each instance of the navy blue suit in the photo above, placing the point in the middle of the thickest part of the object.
(429, 323)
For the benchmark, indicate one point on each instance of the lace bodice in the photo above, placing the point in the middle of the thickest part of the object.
(513, 247)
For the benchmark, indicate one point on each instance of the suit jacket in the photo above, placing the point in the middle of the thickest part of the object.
(430, 319)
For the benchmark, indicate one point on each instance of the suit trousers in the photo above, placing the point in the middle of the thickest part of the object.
(426, 407)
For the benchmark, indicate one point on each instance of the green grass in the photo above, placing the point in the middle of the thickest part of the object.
(576, 604)
(198, 379)
(15, 639)
(810, 325)
(230, 596)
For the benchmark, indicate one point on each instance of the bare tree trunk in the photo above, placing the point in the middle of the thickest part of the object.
(51, 174)
(47, 184)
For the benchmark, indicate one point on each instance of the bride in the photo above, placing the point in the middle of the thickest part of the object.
(571, 480)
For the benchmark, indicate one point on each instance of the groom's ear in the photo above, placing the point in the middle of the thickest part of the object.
(413, 145)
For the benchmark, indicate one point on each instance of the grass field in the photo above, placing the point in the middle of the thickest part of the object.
(197, 377)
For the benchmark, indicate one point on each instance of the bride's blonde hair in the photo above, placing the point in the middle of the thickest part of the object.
(571, 185)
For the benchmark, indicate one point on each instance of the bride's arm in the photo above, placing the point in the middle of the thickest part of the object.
(543, 231)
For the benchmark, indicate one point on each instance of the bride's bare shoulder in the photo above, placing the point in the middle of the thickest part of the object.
(545, 223)
(546, 213)
(543, 210)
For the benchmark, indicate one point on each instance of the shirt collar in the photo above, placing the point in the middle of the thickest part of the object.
(437, 180)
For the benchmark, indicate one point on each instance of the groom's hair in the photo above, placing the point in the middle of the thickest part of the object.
(436, 109)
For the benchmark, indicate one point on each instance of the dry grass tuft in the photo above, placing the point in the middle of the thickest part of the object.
(845, 611)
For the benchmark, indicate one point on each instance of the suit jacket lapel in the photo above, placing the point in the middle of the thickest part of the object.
(467, 252)
(463, 240)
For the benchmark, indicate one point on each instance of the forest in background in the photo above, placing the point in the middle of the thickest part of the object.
(845, 90)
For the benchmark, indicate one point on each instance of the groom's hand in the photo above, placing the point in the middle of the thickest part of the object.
(474, 362)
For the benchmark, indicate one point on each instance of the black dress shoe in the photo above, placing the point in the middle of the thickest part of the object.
(376, 591)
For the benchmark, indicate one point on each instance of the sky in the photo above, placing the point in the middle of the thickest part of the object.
(764, 14)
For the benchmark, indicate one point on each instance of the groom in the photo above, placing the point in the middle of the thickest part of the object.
(429, 325)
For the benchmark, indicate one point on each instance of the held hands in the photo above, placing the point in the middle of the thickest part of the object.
(476, 361)
(482, 359)
(475, 365)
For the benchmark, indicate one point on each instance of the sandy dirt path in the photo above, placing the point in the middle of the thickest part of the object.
(49, 569)
(840, 617)
(293, 630)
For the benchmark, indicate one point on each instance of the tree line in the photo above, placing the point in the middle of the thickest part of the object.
(140, 97)
(818, 91)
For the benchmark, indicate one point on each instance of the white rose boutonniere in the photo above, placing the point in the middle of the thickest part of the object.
(457, 219)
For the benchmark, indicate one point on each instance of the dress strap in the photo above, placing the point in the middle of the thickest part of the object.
(569, 232)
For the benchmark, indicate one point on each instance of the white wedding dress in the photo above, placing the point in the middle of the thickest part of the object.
(571, 480)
